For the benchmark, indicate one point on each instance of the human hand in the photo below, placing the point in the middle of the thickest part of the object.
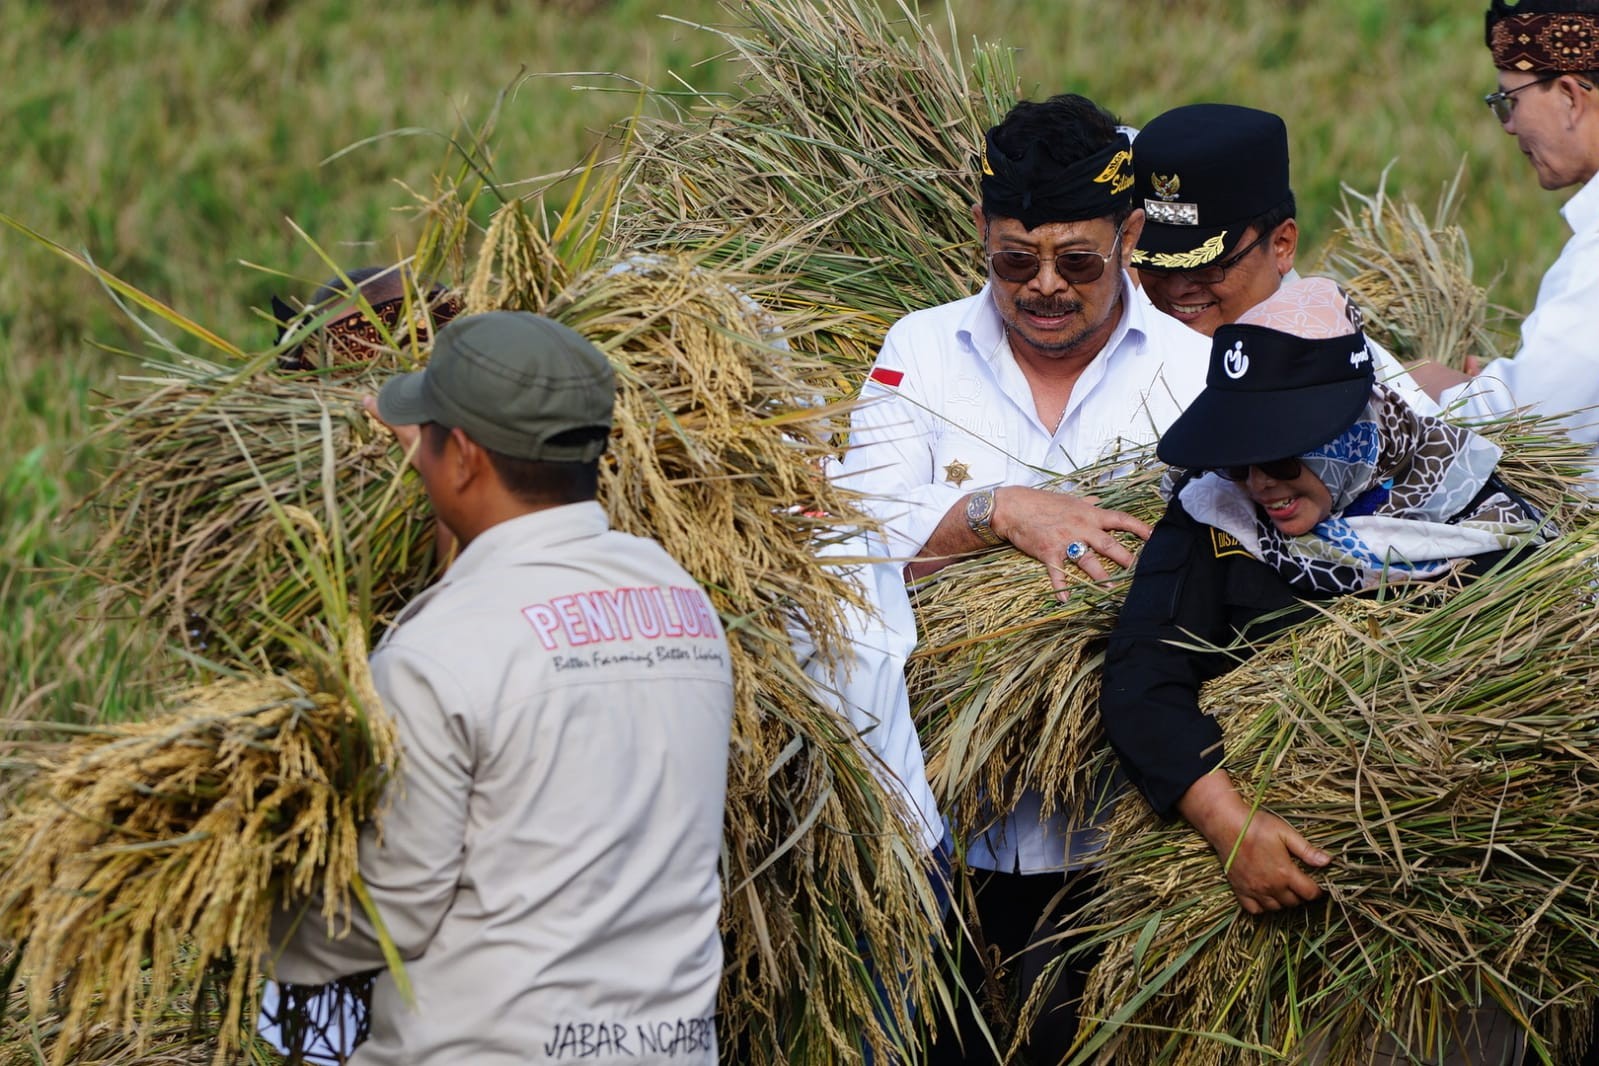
(1045, 524)
(405, 436)
(1434, 378)
(1260, 852)
(1473, 365)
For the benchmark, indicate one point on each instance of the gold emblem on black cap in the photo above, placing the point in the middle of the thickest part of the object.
(1166, 188)
(1114, 173)
(1189, 260)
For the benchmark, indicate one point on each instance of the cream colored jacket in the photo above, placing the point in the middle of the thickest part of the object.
(548, 867)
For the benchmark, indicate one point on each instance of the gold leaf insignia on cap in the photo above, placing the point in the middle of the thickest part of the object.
(988, 171)
(1198, 257)
(1166, 187)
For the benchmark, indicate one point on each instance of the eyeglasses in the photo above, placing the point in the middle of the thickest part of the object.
(1276, 469)
(1075, 268)
(1503, 102)
(1215, 273)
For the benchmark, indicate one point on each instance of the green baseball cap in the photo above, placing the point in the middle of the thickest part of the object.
(514, 382)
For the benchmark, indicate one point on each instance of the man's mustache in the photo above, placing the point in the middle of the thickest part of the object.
(1051, 308)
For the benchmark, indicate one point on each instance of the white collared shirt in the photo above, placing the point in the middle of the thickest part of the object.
(950, 412)
(1556, 369)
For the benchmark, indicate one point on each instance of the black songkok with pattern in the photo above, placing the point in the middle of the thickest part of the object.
(1036, 188)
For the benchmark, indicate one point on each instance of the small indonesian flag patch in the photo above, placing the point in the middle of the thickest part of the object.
(884, 376)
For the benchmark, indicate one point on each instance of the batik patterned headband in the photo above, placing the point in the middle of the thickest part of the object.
(1562, 42)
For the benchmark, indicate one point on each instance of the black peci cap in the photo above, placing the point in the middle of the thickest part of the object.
(1201, 172)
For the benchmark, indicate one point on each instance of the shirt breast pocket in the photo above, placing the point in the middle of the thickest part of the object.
(970, 459)
(1155, 593)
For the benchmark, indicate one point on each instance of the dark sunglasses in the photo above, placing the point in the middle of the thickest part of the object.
(1215, 273)
(1276, 469)
(1075, 268)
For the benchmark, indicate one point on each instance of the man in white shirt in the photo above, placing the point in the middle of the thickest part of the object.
(971, 406)
(1547, 55)
(1220, 233)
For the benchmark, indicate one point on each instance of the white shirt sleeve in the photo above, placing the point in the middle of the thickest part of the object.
(1391, 372)
(1556, 369)
(893, 438)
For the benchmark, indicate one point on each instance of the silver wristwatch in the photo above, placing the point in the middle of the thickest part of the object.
(980, 515)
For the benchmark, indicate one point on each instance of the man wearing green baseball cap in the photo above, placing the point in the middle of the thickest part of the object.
(548, 860)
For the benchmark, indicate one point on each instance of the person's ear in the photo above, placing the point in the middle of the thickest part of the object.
(467, 460)
(981, 222)
(1284, 246)
(1132, 229)
(1575, 92)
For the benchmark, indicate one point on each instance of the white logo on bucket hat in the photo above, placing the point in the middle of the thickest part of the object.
(1235, 362)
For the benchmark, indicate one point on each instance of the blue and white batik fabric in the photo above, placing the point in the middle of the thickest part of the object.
(1408, 503)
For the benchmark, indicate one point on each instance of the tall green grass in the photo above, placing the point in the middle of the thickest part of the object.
(176, 141)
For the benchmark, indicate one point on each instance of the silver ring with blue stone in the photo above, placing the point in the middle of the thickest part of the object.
(1076, 550)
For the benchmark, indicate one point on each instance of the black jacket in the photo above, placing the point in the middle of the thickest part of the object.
(1193, 584)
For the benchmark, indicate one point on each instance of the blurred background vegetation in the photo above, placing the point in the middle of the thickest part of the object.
(175, 141)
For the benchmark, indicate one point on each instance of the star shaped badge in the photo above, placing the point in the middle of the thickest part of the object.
(957, 473)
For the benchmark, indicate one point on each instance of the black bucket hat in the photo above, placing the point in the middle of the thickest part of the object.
(1270, 394)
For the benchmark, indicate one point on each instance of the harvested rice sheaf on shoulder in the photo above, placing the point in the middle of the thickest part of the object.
(1412, 277)
(1440, 747)
(206, 454)
(143, 858)
(845, 163)
(722, 429)
(1439, 744)
(717, 452)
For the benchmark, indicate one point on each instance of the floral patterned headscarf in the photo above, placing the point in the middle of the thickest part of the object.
(1411, 494)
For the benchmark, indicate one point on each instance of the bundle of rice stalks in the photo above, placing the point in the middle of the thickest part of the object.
(209, 455)
(717, 454)
(146, 859)
(1006, 678)
(845, 164)
(1413, 276)
(1005, 683)
(1440, 746)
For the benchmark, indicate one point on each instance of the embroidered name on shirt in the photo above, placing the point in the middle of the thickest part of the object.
(605, 615)
(1224, 544)
(587, 1040)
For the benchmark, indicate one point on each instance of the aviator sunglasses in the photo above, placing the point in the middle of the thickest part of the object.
(1075, 268)
(1276, 469)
